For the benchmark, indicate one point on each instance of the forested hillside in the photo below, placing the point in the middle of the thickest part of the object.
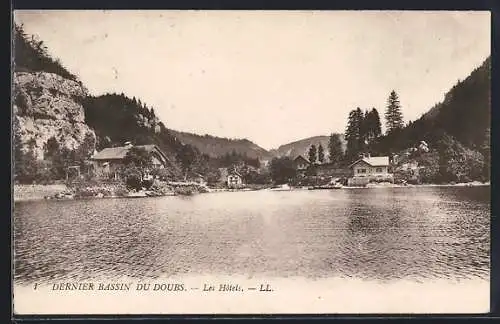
(117, 118)
(457, 131)
(219, 146)
(31, 55)
(466, 110)
(464, 115)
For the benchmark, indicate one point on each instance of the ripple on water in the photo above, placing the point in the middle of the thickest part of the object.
(369, 234)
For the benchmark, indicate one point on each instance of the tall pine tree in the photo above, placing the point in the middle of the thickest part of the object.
(312, 154)
(335, 148)
(374, 129)
(354, 134)
(321, 153)
(393, 114)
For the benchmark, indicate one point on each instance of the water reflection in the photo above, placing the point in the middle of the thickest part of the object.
(382, 234)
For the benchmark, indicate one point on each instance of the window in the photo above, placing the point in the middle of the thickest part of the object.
(361, 170)
(379, 170)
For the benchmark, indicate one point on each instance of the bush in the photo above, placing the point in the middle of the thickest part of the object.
(163, 174)
(161, 187)
(90, 189)
(185, 191)
(429, 171)
(120, 192)
(133, 179)
(147, 184)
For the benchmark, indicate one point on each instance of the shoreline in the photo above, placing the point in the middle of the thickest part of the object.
(35, 192)
(424, 185)
(26, 193)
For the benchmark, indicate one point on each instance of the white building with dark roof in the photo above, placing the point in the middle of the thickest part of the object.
(369, 169)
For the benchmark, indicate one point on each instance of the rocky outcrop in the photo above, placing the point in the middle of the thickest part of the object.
(47, 105)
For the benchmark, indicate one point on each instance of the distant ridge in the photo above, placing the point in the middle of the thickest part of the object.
(218, 146)
(301, 147)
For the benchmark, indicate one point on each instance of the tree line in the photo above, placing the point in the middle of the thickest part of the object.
(363, 131)
(31, 54)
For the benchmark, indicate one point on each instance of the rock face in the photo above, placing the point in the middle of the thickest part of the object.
(47, 105)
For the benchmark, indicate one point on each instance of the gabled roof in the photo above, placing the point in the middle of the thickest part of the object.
(377, 160)
(119, 153)
(301, 157)
(373, 161)
(111, 153)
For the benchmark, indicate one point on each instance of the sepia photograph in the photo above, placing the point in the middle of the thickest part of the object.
(251, 162)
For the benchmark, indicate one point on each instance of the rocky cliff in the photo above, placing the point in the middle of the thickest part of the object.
(46, 105)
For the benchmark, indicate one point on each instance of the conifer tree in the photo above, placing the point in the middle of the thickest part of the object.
(312, 154)
(321, 153)
(393, 114)
(353, 133)
(374, 126)
(335, 148)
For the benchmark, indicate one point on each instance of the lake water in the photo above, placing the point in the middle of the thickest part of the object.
(383, 234)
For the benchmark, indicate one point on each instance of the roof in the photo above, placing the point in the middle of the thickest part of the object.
(373, 161)
(119, 153)
(301, 157)
(111, 153)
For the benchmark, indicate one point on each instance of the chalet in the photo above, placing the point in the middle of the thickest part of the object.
(370, 169)
(109, 161)
(234, 179)
(301, 163)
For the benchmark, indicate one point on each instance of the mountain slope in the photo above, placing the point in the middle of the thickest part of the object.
(301, 147)
(466, 110)
(218, 146)
(464, 114)
(457, 131)
(117, 119)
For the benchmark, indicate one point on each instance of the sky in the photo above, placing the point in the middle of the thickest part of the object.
(270, 76)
